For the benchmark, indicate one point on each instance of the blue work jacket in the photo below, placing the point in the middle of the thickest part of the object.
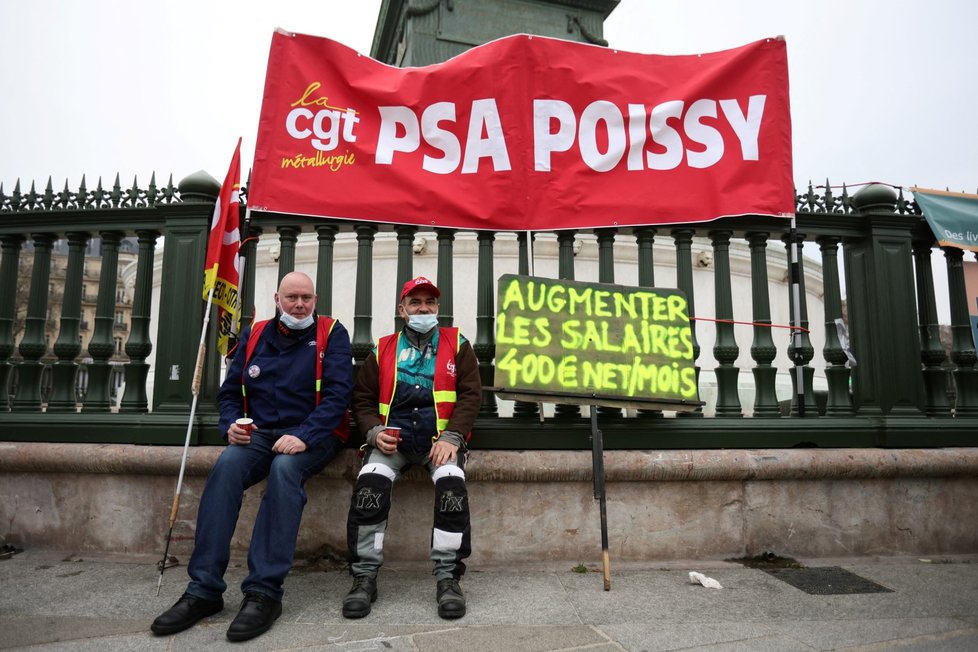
(281, 384)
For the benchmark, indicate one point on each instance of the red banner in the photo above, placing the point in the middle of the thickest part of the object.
(524, 133)
(221, 273)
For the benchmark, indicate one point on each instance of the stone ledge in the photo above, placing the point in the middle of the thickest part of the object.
(529, 505)
(537, 466)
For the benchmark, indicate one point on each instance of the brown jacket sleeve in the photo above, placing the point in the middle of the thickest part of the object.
(468, 391)
(366, 395)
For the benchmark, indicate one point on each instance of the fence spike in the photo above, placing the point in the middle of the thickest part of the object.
(32, 199)
(99, 195)
(133, 195)
(82, 198)
(16, 197)
(116, 195)
(902, 204)
(48, 201)
(64, 197)
(829, 202)
(812, 199)
(151, 191)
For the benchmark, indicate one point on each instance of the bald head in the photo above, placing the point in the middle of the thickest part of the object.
(296, 279)
(296, 295)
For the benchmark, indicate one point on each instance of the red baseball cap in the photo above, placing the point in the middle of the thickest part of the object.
(419, 283)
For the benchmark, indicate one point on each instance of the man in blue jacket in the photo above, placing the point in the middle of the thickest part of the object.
(292, 375)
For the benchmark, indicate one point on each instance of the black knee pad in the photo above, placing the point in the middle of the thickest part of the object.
(371, 501)
(451, 504)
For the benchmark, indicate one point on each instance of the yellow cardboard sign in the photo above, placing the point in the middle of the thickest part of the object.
(596, 342)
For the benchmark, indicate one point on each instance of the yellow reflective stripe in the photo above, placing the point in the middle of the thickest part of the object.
(319, 384)
(385, 408)
(445, 396)
(440, 425)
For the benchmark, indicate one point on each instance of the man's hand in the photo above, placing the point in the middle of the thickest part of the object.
(386, 442)
(442, 452)
(238, 436)
(289, 445)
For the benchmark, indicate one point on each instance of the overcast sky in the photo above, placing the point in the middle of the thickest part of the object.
(880, 91)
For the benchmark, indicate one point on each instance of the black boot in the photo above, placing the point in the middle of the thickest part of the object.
(257, 615)
(356, 604)
(187, 611)
(451, 602)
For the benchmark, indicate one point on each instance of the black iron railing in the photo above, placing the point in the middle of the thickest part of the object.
(907, 388)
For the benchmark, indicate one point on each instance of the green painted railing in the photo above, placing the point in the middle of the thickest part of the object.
(906, 390)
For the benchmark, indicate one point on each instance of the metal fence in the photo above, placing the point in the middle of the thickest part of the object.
(907, 388)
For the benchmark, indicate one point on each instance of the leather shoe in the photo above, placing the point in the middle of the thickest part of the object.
(356, 604)
(257, 615)
(451, 602)
(187, 611)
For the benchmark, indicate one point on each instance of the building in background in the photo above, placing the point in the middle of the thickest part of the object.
(89, 299)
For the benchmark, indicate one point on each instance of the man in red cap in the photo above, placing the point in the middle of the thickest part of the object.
(415, 401)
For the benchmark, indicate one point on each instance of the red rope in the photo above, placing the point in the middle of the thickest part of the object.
(249, 239)
(751, 323)
(865, 183)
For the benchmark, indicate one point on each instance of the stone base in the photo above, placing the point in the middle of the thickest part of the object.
(528, 506)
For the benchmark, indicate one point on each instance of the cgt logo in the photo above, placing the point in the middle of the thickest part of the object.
(325, 126)
(450, 368)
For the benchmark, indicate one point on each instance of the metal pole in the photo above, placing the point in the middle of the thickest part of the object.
(195, 390)
(597, 460)
(795, 248)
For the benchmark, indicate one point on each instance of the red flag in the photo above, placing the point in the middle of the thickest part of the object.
(221, 266)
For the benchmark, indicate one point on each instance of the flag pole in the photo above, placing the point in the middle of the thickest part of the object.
(195, 390)
(217, 251)
(794, 247)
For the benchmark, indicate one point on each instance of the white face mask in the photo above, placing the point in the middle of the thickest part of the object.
(294, 324)
(422, 323)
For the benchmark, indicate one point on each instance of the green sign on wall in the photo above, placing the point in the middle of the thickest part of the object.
(594, 343)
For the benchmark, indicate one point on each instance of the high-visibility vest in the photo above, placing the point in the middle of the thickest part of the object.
(449, 341)
(324, 326)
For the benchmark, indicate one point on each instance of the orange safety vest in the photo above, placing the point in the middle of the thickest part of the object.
(449, 341)
(324, 326)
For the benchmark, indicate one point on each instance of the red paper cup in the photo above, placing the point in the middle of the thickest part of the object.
(246, 424)
(393, 430)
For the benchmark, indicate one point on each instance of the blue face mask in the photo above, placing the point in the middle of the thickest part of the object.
(422, 323)
(294, 324)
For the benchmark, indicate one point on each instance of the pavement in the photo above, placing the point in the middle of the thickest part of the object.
(53, 601)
